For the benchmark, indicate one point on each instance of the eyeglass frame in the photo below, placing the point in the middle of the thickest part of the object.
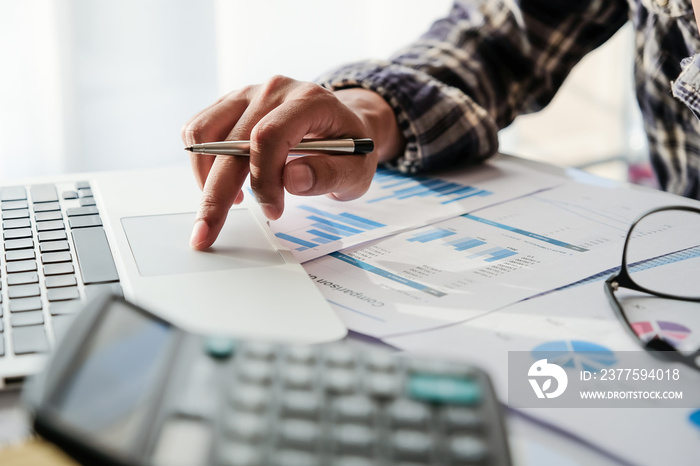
(623, 279)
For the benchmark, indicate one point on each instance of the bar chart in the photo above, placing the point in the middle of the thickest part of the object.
(325, 227)
(400, 186)
(462, 243)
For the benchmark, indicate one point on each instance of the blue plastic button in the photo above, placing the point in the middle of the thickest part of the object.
(444, 389)
(219, 347)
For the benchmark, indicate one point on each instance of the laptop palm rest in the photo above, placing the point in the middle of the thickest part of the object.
(160, 245)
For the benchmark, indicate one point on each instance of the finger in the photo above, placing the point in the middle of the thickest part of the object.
(343, 177)
(284, 127)
(221, 190)
(214, 124)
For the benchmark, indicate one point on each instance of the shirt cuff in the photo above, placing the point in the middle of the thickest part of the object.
(686, 87)
(442, 125)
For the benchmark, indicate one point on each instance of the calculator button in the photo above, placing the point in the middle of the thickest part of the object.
(298, 376)
(459, 418)
(406, 413)
(294, 458)
(304, 404)
(299, 434)
(381, 362)
(16, 234)
(301, 354)
(381, 385)
(250, 428)
(340, 381)
(13, 214)
(410, 444)
(354, 439)
(22, 278)
(257, 372)
(444, 389)
(12, 193)
(46, 216)
(339, 356)
(11, 205)
(19, 243)
(354, 408)
(262, 351)
(240, 455)
(220, 347)
(25, 304)
(466, 448)
(250, 398)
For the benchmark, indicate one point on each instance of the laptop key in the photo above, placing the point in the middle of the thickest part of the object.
(13, 193)
(46, 216)
(50, 225)
(47, 207)
(43, 193)
(11, 205)
(21, 266)
(62, 294)
(13, 214)
(23, 291)
(77, 211)
(31, 339)
(25, 304)
(85, 221)
(54, 257)
(23, 243)
(56, 281)
(19, 254)
(16, 223)
(17, 233)
(54, 246)
(65, 307)
(22, 278)
(94, 256)
(27, 318)
(52, 235)
(58, 269)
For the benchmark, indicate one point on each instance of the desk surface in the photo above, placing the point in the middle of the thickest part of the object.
(531, 440)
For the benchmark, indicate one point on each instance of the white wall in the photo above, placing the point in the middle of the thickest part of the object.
(103, 84)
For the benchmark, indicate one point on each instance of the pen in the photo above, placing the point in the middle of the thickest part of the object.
(329, 146)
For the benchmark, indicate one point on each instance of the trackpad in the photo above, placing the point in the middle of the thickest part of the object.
(160, 244)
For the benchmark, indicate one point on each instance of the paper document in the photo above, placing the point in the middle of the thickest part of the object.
(463, 267)
(314, 226)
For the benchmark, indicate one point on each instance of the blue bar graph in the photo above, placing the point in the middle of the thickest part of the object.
(432, 235)
(327, 227)
(399, 186)
(463, 244)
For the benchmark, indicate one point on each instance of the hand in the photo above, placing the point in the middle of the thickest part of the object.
(275, 117)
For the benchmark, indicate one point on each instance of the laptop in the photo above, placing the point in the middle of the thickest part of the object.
(69, 238)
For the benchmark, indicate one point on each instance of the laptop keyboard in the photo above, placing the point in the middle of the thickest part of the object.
(56, 255)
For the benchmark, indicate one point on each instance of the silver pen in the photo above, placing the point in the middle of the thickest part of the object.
(327, 146)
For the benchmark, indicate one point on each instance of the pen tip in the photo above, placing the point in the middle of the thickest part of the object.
(189, 148)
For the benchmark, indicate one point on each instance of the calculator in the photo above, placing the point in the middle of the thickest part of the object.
(125, 387)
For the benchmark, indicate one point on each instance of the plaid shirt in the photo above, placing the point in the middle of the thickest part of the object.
(473, 72)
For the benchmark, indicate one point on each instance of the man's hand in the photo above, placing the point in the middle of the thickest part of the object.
(275, 117)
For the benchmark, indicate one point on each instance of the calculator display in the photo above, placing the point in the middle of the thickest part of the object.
(111, 385)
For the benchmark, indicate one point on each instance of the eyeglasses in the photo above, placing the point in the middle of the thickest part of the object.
(661, 257)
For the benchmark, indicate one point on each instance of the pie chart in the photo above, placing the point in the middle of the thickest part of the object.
(670, 331)
(575, 354)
